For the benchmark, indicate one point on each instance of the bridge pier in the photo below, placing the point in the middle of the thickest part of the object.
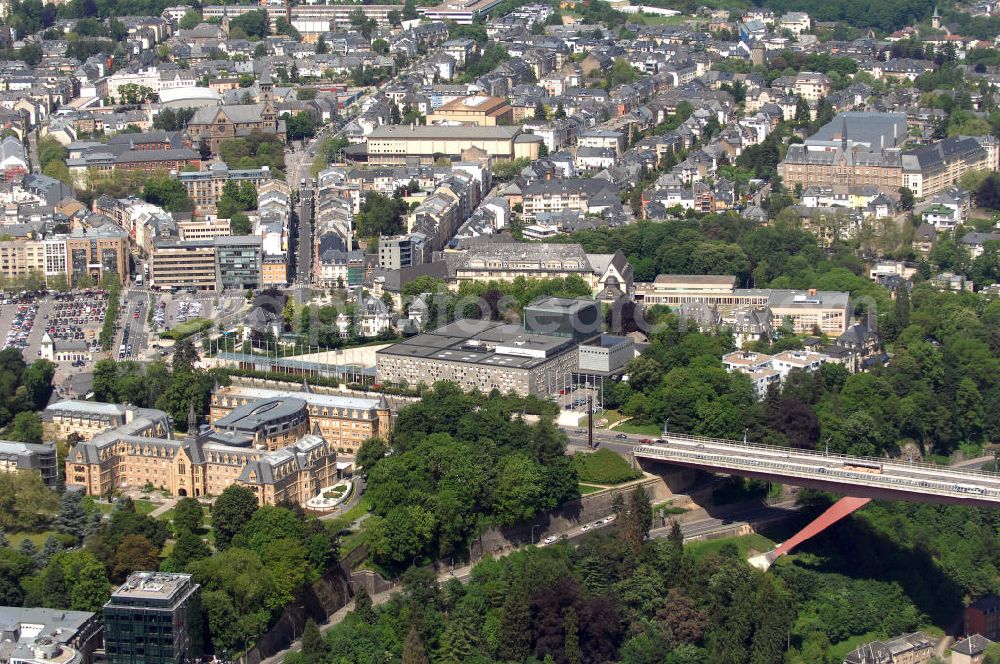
(843, 507)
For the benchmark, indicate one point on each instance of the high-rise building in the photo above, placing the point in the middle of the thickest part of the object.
(153, 618)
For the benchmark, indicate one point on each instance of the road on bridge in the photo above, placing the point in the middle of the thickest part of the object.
(864, 477)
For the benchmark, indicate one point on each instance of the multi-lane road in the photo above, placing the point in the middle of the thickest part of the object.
(863, 477)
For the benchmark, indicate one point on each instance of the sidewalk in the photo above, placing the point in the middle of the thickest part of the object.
(165, 507)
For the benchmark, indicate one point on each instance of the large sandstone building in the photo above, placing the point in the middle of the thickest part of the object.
(282, 445)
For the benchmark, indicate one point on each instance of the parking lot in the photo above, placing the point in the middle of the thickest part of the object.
(18, 318)
(575, 398)
(76, 317)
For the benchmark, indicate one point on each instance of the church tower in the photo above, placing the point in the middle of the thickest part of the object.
(265, 97)
(936, 19)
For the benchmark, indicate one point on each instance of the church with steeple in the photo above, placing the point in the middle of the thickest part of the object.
(211, 125)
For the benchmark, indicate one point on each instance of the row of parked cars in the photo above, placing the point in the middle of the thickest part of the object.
(20, 328)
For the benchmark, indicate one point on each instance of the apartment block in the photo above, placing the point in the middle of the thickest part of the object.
(205, 187)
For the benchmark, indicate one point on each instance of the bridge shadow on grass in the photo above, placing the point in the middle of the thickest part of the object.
(854, 548)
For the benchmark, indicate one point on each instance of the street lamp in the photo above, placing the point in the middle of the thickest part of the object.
(745, 432)
(533, 533)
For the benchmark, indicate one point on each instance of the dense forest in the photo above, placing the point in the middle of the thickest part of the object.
(884, 16)
(657, 602)
(458, 463)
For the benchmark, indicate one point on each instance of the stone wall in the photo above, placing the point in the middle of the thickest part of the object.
(321, 599)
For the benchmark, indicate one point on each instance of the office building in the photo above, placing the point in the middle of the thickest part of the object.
(481, 355)
(313, 20)
(394, 144)
(937, 167)
(238, 262)
(270, 423)
(462, 12)
(397, 252)
(579, 320)
(183, 264)
(809, 310)
(217, 263)
(30, 635)
(153, 618)
(854, 149)
(606, 355)
(95, 253)
(297, 438)
(73, 420)
(29, 457)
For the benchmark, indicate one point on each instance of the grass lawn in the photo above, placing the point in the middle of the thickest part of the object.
(603, 467)
(167, 516)
(187, 328)
(651, 19)
(611, 416)
(38, 538)
(350, 542)
(744, 543)
(651, 430)
(145, 506)
(668, 508)
(345, 519)
(588, 488)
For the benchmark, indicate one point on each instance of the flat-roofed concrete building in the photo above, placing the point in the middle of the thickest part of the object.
(606, 355)
(29, 457)
(33, 635)
(153, 618)
(482, 355)
(463, 12)
(394, 144)
(186, 264)
(479, 110)
(216, 263)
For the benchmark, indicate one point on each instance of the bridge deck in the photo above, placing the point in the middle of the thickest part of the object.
(836, 471)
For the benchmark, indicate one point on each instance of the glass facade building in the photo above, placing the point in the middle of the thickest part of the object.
(153, 618)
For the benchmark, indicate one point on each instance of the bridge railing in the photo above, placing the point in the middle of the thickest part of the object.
(902, 463)
(798, 468)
